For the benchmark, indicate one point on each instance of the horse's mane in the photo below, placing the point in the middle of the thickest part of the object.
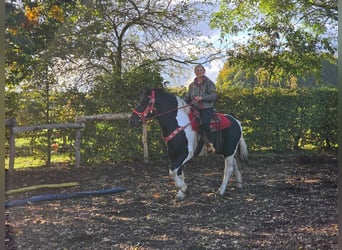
(160, 92)
(164, 92)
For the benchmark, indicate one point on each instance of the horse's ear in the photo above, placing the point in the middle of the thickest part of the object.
(146, 91)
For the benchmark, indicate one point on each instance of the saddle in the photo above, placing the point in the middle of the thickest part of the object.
(218, 122)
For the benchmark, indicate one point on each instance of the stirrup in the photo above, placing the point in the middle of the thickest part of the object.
(210, 148)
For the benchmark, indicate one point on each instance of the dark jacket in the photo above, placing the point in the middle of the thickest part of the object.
(206, 90)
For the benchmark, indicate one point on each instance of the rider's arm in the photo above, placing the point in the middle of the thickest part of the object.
(210, 94)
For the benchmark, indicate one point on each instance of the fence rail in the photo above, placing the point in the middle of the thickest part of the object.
(78, 125)
(106, 117)
(14, 129)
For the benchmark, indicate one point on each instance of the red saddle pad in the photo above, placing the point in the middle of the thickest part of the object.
(219, 121)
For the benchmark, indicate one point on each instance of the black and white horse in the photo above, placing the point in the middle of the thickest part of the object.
(182, 136)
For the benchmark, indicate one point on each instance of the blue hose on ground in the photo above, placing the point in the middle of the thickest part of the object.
(48, 197)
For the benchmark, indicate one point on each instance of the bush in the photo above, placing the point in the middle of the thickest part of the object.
(284, 119)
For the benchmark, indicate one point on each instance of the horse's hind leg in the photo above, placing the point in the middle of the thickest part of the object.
(228, 170)
(238, 174)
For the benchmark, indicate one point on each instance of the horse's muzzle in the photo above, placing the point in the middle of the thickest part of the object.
(134, 120)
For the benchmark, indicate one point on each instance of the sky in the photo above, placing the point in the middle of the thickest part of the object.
(184, 76)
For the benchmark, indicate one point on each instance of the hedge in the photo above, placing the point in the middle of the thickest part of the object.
(284, 119)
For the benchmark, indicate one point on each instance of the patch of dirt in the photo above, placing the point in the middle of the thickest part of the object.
(286, 203)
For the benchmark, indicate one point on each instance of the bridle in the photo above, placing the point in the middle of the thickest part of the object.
(149, 109)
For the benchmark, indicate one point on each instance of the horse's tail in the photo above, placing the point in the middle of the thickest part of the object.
(243, 151)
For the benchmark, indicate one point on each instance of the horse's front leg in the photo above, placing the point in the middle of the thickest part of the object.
(178, 177)
(178, 155)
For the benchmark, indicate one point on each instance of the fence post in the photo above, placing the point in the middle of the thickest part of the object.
(11, 123)
(144, 142)
(78, 147)
(12, 150)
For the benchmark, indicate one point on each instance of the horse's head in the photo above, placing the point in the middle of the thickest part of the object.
(145, 108)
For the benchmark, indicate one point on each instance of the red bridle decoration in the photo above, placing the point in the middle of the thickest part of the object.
(149, 109)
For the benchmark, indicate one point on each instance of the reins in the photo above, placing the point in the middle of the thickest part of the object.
(169, 111)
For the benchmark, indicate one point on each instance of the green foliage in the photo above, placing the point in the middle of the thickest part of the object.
(113, 93)
(284, 39)
(30, 32)
(116, 142)
(29, 108)
(230, 76)
(284, 119)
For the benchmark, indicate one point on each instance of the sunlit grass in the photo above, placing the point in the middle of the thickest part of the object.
(309, 147)
(34, 161)
(22, 142)
(28, 160)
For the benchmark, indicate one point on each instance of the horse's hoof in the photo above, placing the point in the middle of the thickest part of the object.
(178, 199)
(219, 192)
(180, 196)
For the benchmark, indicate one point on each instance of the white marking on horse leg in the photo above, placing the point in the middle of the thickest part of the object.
(179, 183)
(228, 170)
(238, 174)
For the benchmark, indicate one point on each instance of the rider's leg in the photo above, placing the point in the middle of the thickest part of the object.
(206, 115)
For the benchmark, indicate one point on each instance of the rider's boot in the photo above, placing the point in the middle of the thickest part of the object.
(209, 145)
(210, 148)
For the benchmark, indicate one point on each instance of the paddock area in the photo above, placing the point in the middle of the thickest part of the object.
(287, 202)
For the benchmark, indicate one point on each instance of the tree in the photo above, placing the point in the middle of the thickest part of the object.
(31, 27)
(230, 76)
(113, 37)
(287, 39)
(225, 75)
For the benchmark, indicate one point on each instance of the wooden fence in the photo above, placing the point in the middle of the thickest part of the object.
(14, 129)
(78, 125)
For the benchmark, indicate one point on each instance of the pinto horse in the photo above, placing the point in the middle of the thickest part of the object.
(183, 139)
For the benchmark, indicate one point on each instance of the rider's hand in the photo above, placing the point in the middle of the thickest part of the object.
(197, 98)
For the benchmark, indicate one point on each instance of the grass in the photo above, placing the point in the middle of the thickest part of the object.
(34, 161)
(26, 159)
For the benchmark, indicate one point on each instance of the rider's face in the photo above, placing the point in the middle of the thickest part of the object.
(199, 71)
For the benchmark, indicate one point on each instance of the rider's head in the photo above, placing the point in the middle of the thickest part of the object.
(199, 70)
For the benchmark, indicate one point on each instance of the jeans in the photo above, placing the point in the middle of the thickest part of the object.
(206, 115)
